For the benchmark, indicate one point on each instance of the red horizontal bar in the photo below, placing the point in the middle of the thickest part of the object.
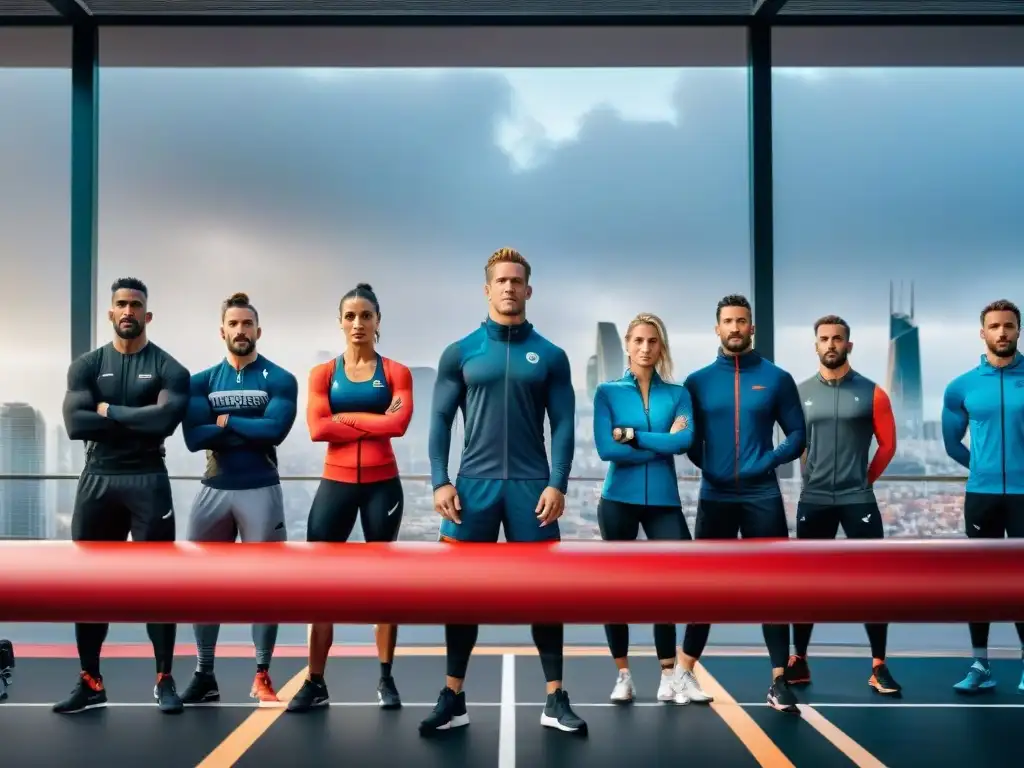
(575, 583)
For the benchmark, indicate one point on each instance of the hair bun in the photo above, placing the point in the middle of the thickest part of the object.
(364, 287)
(239, 298)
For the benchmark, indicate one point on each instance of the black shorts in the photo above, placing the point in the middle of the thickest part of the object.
(994, 515)
(336, 505)
(822, 521)
(109, 507)
(760, 519)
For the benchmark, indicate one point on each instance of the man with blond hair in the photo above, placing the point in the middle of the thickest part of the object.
(504, 377)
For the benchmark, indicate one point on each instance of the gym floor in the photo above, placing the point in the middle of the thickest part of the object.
(842, 721)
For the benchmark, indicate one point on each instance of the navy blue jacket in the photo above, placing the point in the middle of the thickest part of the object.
(737, 401)
(644, 474)
(990, 401)
(504, 379)
(260, 402)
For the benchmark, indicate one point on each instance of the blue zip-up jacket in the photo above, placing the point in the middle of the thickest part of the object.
(737, 401)
(990, 401)
(644, 474)
(504, 378)
(260, 401)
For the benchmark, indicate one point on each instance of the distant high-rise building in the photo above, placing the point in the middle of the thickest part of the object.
(70, 461)
(903, 380)
(608, 362)
(22, 452)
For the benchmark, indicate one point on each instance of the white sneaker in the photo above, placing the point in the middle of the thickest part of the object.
(688, 689)
(624, 689)
(667, 687)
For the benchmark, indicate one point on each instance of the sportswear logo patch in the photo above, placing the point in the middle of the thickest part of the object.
(808, 403)
(105, 375)
(145, 375)
(168, 515)
(265, 373)
(866, 519)
(532, 357)
(758, 386)
(377, 383)
(238, 398)
(394, 509)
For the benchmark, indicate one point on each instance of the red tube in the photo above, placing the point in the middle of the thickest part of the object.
(575, 583)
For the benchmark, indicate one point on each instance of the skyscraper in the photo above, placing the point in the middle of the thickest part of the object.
(70, 461)
(608, 363)
(903, 380)
(22, 451)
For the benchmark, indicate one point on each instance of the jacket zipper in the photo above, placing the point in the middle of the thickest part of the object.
(1002, 428)
(835, 431)
(736, 394)
(647, 415)
(508, 360)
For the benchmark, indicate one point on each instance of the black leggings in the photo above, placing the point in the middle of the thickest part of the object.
(761, 519)
(993, 516)
(621, 522)
(379, 506)
(822, 521)
(108, 508)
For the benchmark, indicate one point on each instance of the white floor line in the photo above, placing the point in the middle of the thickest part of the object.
(508, 707)
(507, 728)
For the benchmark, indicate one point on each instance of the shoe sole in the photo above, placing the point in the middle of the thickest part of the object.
(86, 708)
(458, 721)
(550, 722)
(314, 705)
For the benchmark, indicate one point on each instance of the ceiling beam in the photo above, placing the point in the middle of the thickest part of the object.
(75, 11)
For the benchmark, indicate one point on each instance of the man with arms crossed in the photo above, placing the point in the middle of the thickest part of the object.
(124, 399)
(843, 411)
(504, 377)
(737, 401)
(990, 399)
(239, 412)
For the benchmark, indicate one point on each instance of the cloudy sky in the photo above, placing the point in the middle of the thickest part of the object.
(627, 190)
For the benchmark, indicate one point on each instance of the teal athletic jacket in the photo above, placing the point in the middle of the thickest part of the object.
(737, 401)
(503, 379)
(645, 472)
(990, 401)
(260, 401)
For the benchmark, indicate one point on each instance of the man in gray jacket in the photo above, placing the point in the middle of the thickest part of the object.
(843, 411)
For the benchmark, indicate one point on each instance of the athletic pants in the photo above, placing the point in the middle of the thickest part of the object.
(109, 507)
(223, 515)
(993, 516)
(756, 519)
(619, 521)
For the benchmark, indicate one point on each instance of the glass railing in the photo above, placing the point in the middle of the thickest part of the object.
(914, 506)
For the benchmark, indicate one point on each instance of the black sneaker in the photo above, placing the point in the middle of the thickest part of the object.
(798, 672)
(883, 682)
(558, 714)
(88, 694)
(449, 712)
(387, 693)
(202, 688)
(166, 695)
(311, 694)
(780, 697)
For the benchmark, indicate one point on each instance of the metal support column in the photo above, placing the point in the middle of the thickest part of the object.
(84, 159)
(762, 236)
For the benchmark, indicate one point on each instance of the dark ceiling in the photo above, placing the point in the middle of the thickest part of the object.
(177, 12)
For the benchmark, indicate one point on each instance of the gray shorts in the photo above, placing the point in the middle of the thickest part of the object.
(257, 514)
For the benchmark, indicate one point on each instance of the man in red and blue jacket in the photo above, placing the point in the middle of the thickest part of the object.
(737, 401)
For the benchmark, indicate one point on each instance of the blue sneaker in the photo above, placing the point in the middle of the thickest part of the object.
(978, 680)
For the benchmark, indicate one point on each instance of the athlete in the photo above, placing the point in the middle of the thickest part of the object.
(641, 423)
(843, 411)
(990, 400)
(239, 412)
(357, 403)
(503, 376)
(124, 399)
(6, 667)
(737, 401)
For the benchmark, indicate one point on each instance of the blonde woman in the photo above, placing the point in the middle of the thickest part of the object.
(641, 423)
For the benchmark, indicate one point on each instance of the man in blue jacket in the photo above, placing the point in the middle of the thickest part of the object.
(504, 377)
(239, 413)
(990, 399)
(737, 401)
